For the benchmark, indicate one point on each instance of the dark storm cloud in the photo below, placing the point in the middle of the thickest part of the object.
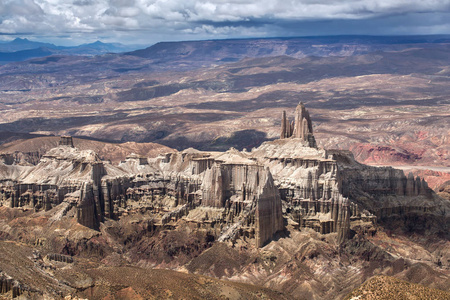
(83, 2)
(192, 19)
(405, 24)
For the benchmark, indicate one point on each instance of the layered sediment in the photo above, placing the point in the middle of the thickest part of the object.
(233, 194)
(171, 186)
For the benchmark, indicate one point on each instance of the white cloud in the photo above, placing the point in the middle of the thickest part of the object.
(204, 18)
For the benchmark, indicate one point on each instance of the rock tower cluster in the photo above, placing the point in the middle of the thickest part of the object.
(300, 128)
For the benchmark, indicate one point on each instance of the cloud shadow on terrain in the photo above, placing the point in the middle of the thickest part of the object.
(72, 124)
(359, 100)
(44, 124)
(266, 100)
(291, 98)
(248, 139)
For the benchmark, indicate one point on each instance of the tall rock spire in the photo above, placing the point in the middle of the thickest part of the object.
(301, 128)
(298, 118)
(283, 133)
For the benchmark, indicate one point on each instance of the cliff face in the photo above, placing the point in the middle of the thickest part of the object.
(230, 194)
(327, 189)
(171, 186)
(309, 184)
(391, 196)
(269, 217)
(86, 207)
(248, 188)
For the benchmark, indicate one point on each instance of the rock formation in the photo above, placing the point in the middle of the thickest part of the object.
(87, 208)
(269, 217)
(233, 195)
(66, 141)
(59, 257)
(8, 284)
(301, 128)
(172, 186)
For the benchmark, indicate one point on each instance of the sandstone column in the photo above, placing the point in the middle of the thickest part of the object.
(283, 125)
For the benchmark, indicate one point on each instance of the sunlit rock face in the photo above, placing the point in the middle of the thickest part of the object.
(300, 128)
(233, 194)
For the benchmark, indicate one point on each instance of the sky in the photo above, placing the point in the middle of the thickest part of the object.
(73, 22)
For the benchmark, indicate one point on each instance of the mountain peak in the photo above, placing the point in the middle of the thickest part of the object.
(20, 40)
(98, 43)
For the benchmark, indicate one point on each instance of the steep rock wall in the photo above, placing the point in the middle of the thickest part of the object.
(247, 187)
(269, 218)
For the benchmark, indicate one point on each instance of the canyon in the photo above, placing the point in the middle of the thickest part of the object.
(298, 219)
(189, 170)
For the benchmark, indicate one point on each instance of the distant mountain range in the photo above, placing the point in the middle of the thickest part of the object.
(23, 49)
(193, 54)
(230, 50)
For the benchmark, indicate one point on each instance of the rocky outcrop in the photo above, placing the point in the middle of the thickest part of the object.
(66, 141)
(59, 257)
(286, 127)
(377, 180)
(398, 201)
(233, 194)
(315, 181)
(212, 189)
(309, 184)
(87, 214)
(8, 284)
(301, 128)
(269, 219)
(170, 186)
(245, 187)
(342, 220)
